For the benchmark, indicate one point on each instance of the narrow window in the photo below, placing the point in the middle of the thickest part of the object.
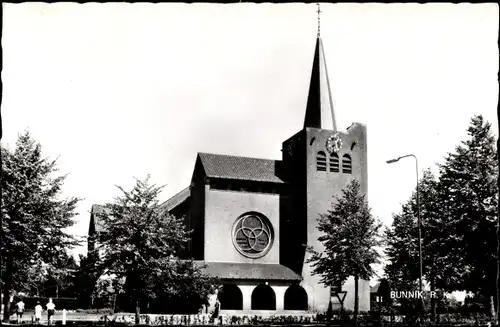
(346, 164)
(334, 163)
(321, 161)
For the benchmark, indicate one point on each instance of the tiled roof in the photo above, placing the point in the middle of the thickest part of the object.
(171, 203)
(176, 199)
(243, 168)
(229, 270)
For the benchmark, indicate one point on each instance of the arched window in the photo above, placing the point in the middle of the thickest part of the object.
(295, 298)
(263, 298)
(230, 297)
(334, 163)
(321, 161)
(346, 164)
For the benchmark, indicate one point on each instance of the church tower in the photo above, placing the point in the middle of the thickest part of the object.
(319, 162)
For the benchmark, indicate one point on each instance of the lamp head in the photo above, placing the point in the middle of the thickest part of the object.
(392, 161)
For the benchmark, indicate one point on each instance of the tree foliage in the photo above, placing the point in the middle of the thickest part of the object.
(186, 289)
(402, 241)
(36, 216)
(402, 271)
(459, 211)
(60, 278)
(140, 246)
(350, 237)
(85, 280)
(469, 180)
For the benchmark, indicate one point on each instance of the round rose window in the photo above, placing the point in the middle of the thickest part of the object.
(252, 235)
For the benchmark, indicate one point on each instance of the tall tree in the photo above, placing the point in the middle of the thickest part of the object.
(60, 277)
(351, 235)
(35, 215)
(469, 181)
(140, 241)
(85, 280)
(401, 251)
(186, 289)
(30, 281)
(441, 263)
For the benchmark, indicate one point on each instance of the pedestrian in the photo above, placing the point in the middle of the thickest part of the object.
(20, 310)
(38, 312)
(215, 314)
(50, 311)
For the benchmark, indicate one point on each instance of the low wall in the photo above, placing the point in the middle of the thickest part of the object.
(203, 319)
(124, 319)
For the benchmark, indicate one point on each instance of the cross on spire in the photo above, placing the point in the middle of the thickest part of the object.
(319, 20)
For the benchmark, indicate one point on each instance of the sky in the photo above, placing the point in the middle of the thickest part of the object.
(118, 90)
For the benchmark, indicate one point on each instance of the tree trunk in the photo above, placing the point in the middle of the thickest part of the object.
(433, 301)
(6, 289)
(137, 312)
(356, 298)
(113, 307)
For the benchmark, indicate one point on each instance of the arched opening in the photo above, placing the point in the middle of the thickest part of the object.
(263, 298)
(295, 298)
(230, 297)
(321, 161)
(346, 164)
(334, 163)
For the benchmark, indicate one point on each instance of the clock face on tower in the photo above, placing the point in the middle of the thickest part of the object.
(334, 143)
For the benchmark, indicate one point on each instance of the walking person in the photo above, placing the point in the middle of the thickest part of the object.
(38, 312)
(51, 310)
(19, 310)
(215, 314)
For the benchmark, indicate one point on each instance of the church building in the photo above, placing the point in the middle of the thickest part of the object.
(251, 217)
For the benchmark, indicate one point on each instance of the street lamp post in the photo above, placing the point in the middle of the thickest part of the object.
(418, 219)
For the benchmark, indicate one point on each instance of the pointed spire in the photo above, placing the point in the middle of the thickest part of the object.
(319, 111)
